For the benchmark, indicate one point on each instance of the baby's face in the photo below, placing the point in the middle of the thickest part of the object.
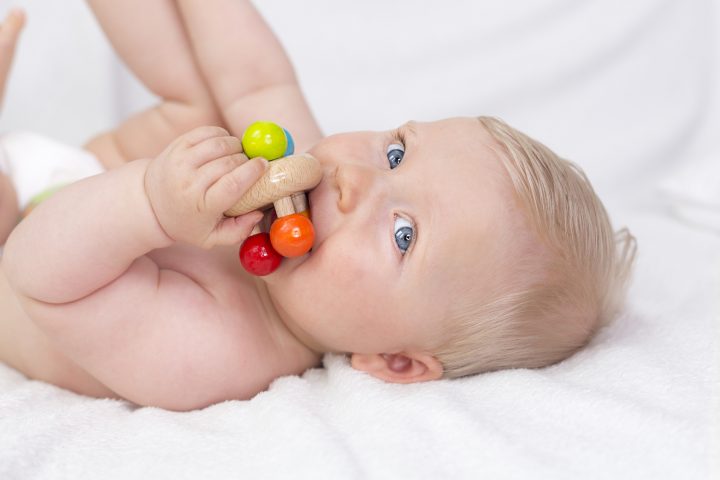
(405, 222)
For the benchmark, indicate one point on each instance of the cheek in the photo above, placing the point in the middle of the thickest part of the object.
(345, 275)
(349, 263)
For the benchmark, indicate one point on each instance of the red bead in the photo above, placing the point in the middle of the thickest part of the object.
(258, 256)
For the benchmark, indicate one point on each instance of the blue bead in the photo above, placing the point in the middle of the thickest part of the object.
(290, 144)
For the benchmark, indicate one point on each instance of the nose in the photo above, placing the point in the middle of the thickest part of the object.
(354, 182)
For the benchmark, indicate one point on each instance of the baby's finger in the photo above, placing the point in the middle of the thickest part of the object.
(199, 134)
(224, 193)
(212, 171)
(214, 148)
(234, 230)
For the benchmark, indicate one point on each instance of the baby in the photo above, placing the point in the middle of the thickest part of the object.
(434, 258)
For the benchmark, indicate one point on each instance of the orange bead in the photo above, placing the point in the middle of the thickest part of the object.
(292, 235)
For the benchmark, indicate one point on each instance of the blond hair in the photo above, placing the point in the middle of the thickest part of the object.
(544, 318)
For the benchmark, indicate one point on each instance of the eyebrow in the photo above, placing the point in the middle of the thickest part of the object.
(409, 130)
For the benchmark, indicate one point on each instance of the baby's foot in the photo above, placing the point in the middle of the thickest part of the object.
(10, 29)
(9, 210)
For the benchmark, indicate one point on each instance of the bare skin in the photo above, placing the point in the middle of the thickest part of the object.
(198, 329)
(148, 302)
(171, 71)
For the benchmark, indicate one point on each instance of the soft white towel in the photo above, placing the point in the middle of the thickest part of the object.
(637, 403)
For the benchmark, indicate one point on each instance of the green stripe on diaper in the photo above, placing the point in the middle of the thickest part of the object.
(35, 200)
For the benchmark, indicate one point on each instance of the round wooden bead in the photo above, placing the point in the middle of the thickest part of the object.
(257, 255)
(290, 144)
(264, 139)
(292, 235)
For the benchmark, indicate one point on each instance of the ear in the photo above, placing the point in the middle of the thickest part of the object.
(398, 367)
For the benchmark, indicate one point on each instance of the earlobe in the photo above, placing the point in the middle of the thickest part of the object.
(405, 367)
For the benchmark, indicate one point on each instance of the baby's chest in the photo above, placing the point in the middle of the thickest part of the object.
(226, 292)
(218, 269)
(248, 319)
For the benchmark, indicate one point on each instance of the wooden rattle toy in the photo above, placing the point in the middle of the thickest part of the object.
(283, 186)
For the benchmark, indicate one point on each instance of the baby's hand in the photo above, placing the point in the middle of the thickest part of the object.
(195, 179)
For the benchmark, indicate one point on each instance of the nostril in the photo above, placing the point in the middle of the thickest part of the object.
(343, 186)
(335, 182)
(334, 176)
(353, 182)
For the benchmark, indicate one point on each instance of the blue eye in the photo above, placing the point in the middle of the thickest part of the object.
(395, 154)
(404, 234)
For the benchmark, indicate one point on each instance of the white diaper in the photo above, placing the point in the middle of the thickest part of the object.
(37, 164)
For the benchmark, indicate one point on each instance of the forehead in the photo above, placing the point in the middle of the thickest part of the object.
(464, 174)
(469, 202)
(457, 149)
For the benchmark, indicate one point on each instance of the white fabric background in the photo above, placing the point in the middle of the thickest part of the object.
(626, 89)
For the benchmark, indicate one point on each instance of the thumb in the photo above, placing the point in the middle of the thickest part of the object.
(234, 230)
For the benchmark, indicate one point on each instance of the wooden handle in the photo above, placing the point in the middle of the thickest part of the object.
(285, 176)
(300, 202)
(284, 207)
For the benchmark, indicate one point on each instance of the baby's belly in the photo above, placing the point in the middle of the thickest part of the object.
(25, 348)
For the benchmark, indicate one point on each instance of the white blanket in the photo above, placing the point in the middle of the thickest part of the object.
(627, 89)
(638, 403)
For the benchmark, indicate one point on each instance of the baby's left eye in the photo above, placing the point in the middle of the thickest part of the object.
(395, 154)
(404, 234)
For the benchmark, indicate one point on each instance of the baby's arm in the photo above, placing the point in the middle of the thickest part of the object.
(151, 40)
(79, 268)
(246, 68)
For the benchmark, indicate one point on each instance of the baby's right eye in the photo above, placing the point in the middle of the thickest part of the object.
(395, 154)
(404, 234)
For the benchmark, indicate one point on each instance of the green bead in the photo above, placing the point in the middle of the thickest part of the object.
(264, 139)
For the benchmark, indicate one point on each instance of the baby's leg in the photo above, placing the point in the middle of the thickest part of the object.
(247, 70)
(150, 38)
(10, 29)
